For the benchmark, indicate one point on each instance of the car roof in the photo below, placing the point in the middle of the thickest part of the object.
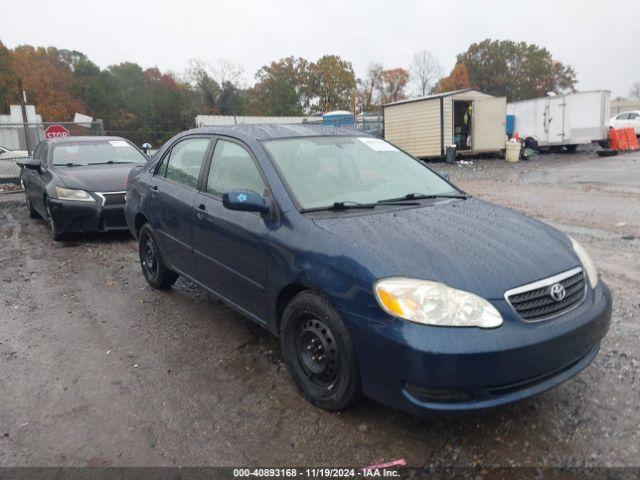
(83, 138)
(274, 131)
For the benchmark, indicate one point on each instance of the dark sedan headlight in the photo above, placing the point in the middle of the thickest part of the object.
(434, 303)
(586, 261)
(73, 194)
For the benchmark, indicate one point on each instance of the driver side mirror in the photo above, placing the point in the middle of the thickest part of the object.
(244, 201)
(444, 175)
(31, 163)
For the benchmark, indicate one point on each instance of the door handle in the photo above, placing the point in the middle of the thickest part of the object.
(200, 211)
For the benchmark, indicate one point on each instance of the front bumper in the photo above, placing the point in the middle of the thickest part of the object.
(418, 368)
(73, 216)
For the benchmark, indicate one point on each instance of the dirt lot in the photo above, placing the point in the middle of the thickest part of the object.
(98, 369)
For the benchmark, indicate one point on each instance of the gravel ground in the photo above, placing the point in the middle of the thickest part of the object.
(98, 369)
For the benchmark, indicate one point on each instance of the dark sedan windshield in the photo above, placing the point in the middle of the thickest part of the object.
(96, 153)
(321, 171)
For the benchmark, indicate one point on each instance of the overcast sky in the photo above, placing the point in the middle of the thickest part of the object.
(599, 39)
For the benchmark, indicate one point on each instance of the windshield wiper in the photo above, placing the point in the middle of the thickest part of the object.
(347, 205)
(69, 164)
(424, 196)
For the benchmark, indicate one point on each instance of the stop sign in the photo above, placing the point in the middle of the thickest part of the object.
(56, 131)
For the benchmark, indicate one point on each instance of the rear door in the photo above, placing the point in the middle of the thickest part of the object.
(173, 192)
(230, 247)
(556, 120)
(489, 124)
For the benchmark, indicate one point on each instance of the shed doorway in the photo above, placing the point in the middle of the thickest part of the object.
(462, 118)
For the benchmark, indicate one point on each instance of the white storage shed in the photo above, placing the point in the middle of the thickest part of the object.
(474, 121)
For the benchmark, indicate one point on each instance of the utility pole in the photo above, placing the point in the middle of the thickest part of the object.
(24, 116)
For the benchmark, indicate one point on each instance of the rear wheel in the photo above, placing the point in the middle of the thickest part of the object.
(153, 267)
(318, 353)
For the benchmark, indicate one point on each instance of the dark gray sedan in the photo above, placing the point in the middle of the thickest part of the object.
(78, 184)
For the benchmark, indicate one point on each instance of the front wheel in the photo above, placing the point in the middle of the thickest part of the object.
(56, 235)
(153, 267)
(318, 352)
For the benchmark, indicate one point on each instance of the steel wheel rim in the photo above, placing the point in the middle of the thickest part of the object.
(317, 352)
(149, 256)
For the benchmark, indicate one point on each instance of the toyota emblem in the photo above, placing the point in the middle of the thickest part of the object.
(557, 292)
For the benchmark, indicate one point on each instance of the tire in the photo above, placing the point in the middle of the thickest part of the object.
(32, 211)
(318, 353)
(56, 235)
(153, 267)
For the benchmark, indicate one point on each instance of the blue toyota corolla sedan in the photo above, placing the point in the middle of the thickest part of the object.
(379, 276)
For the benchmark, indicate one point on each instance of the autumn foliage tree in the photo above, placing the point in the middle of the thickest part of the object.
(281, 89)
(518, 71)
(331, 83)
(8, 84)
(458, 79)
(392, 85)
(49, 82)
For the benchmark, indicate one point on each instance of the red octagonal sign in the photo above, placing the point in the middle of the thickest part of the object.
(56, 131)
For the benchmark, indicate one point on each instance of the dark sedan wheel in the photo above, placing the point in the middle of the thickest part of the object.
(32, 211)
(318, 352)
(153, 268)
(55, 233)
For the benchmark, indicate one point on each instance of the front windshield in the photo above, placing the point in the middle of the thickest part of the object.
(96, 152)
(321, 171)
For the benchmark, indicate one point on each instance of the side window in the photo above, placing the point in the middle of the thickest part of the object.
(624, 116)
(232, 167)
(633, 116)
(183, 162)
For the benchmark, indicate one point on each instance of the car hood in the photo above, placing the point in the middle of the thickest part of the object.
(466, 244)
(96, 178)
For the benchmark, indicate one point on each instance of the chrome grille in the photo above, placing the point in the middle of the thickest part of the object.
(534, 302)
(112, 198)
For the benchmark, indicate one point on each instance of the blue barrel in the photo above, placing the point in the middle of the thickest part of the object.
(511, 125)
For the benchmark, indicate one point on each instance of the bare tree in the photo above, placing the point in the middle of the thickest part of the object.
(367, 88)
(227, 72)
(425, 71)
(635, 90)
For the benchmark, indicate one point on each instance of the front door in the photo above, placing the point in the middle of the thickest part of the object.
(489, 124)
(173, 191)
(230, 247)
(36, 180)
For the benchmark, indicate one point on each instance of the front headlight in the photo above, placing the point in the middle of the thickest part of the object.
(433, 303)
(72, 194)
(587, 263)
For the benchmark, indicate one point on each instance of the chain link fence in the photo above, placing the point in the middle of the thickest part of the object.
(17, 141)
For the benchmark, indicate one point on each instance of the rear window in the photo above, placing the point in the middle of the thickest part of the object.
(96, 153)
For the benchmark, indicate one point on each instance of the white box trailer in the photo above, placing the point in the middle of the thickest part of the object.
(425, 126)
(563, 120)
